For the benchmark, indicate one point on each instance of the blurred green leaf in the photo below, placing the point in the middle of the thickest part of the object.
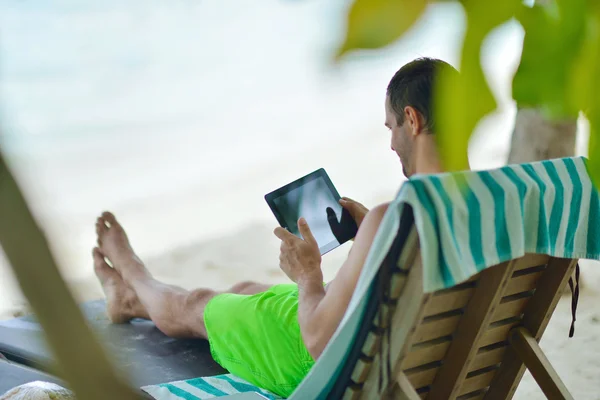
(554, 34)
(594, 149)
(373, 24)
(585, 86)
(462, 100)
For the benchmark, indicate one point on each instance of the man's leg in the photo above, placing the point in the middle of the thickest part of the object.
(178, 312)
(132, 291)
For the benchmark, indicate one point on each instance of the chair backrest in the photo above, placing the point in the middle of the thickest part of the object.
(453, 343)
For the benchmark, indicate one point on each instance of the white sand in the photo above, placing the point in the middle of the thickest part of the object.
(180, 117)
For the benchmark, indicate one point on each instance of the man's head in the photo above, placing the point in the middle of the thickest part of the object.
(409, 106)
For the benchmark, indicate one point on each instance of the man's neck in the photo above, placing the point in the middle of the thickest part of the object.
(427, 160)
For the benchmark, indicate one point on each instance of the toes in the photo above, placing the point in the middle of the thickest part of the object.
(109, 217)
(103, 270)
(98, 257)
(101, 227)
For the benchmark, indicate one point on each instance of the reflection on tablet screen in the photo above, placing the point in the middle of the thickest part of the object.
(311, 201)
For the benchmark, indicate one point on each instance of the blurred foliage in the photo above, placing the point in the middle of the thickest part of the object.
(558, 72)
(377, 23)
(82, 361)
(553, 38)
(463, 99)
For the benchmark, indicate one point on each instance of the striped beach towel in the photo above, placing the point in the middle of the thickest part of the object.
(472, 220)
(467, 222)
(205, 388)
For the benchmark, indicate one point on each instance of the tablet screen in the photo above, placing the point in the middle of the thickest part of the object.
(314, 198)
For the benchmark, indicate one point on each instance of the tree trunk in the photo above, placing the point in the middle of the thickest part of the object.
(535, 138)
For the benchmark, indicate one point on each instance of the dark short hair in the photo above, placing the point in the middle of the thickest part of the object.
(413, 86)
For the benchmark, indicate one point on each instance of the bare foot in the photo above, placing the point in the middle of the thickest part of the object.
(114, 244)
(122, 303)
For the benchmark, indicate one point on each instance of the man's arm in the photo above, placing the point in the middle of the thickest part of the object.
(319, 311)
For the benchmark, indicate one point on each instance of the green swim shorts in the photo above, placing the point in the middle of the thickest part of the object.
(257, 337)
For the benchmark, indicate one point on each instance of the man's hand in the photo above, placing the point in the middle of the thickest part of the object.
(356, 210)
(299, 258)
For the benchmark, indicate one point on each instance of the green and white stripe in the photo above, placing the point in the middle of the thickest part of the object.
(205, 388)
(472, 220)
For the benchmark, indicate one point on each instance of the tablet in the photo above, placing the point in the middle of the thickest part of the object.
(314, 198)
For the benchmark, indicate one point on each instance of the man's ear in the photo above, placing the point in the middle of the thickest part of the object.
(415, 120)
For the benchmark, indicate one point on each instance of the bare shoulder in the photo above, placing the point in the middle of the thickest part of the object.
(377, 213)
(368, 229)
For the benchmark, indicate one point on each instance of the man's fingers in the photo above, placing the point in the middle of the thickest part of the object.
(305, 231)
(352, 205)
(348, 202)
(283, 234)
(349, 205)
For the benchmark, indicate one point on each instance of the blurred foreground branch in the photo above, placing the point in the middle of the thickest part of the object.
(82, 361)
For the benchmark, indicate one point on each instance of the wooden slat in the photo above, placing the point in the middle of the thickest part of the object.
(353, 393)
(371, 345)
(448, 301)
(426, 353)
(513, 308)
(434, 329)
(478, 395)
(400, 348)
(530, 352)
(421, 377)
(531, 260)
(535, 319)
(477, 382)
(403, 323)
(404, 390)
(470, 329)
(361, 370)
(486, 358)
(410, 251)
(497, 333)
(382, 317)
(540, 308)
(522, 283)
(397, 285)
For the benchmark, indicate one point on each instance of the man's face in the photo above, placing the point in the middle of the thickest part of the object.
(401, 138)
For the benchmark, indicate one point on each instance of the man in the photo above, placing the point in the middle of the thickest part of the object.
(272, 335)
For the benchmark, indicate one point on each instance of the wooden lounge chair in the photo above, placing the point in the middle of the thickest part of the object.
(471, 341)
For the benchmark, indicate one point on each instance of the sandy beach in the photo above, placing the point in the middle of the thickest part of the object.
(179, 118)
(250, 252)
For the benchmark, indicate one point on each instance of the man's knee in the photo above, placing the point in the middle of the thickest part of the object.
(184, 317)
(249, 287)
(196, 300)
(240, 287)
